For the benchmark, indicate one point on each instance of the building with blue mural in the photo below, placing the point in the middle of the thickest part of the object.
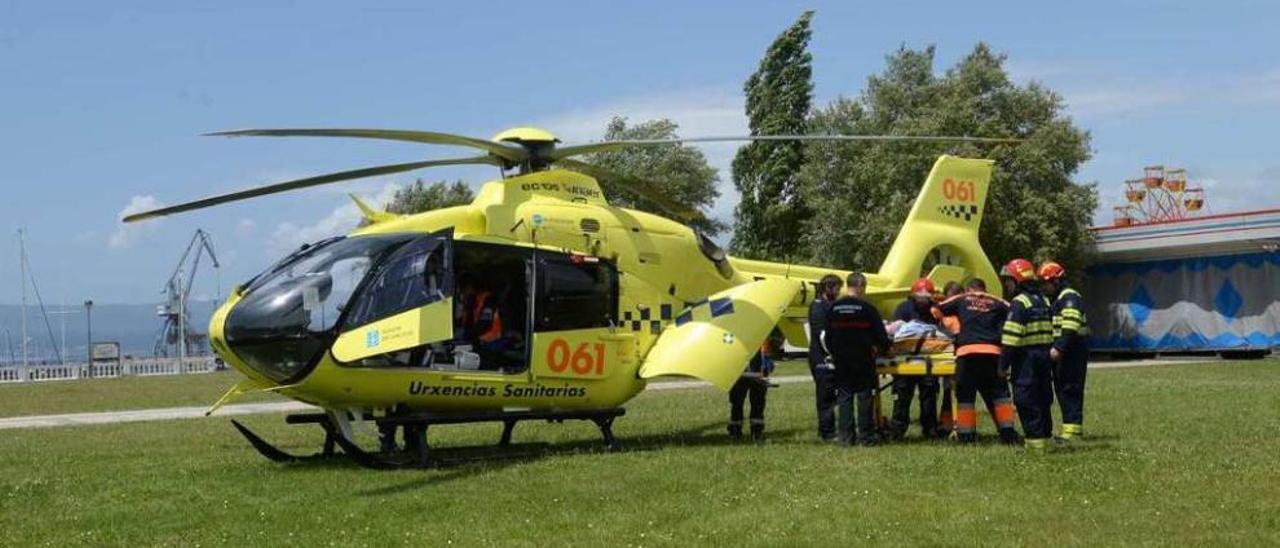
(1204, 284)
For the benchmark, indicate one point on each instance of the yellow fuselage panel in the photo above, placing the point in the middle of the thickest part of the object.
(337, 386)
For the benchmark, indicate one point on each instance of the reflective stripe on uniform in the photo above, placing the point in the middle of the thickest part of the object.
(1004, 413)
(1070, 319)
(966, 418)
(1032, 333)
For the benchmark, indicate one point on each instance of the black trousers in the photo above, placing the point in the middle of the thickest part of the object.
(1033, 390)
(855, 380)
(824, 384)
(904, 389)
(979, 374)
(752, 387)
(1068, 382)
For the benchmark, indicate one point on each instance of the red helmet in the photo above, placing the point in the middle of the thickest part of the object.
(1051, 271)
(923, 287)
(1021, 270)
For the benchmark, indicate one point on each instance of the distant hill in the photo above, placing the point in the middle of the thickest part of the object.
(134, 326)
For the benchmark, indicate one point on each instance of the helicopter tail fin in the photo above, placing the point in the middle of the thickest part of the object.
(943, 227)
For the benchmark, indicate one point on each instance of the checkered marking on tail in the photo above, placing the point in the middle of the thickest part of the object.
(638, 322)
(965, 212)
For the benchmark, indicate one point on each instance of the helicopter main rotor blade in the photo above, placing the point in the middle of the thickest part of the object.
(506, 152)
(639, 187)
(304, 183)
(611, 146)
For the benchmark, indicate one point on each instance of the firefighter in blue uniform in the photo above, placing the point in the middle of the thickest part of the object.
(1070, 352)
(824, 380)
(1027, 337)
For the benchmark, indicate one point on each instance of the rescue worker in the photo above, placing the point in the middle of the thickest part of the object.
(1027, 336)
(950, 324)
(917, 307)
(753, 383)
(855, 334)
(484, 319)
(981, 318)
(1070, 352)
(823, 373)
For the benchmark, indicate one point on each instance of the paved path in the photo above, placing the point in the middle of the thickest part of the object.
(172, 413)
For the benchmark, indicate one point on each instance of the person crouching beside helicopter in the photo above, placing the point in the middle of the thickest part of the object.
(753, 383)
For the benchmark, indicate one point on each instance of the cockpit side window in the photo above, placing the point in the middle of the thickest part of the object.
(411, 277)
(574, 294)
(287, 316)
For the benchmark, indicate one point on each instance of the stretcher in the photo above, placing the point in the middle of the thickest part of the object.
(940, 364)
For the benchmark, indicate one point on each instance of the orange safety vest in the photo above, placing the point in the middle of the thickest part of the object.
(477, 307)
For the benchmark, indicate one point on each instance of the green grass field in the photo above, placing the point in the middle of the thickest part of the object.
(1183, 455)
(83, 396)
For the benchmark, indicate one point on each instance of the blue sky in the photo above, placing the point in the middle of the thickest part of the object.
(101, 102)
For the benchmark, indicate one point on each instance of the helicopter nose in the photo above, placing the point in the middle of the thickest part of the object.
(275, 333)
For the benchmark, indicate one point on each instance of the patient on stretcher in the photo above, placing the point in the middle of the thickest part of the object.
(917, 337)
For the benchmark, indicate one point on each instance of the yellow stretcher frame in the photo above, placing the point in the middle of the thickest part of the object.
(917, 365)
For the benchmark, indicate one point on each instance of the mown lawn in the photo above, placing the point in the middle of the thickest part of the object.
(118, 394)
(1178, 455)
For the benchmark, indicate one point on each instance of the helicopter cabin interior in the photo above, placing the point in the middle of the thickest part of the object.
(501, 295)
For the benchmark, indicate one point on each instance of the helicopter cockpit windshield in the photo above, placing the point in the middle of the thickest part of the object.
(287, 316)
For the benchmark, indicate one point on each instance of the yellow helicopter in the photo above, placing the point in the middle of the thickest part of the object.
(538, 300)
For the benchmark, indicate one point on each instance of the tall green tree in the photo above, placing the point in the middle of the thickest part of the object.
(862, 192)
(681, 172)
(766, 173)
(421, 196)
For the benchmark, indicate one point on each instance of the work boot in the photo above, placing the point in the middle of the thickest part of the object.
(967, 437)
(757, 432)
(735, 430)
(1038, 445)
(1009, 436)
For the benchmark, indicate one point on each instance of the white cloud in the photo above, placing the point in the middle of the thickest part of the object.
(1126, 95)
(700, 112)
(288, 236)
(245, 227)
(126, 235)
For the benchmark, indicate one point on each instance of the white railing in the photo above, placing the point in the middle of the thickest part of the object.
(127, 367)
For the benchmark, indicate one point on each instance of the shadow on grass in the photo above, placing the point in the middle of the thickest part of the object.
(456, 463)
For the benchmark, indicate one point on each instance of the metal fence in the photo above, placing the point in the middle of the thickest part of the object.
(125, 368)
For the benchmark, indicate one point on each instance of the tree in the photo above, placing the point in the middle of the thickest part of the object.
(779, 93)
(861, 193)
(420, 197)
(681, 172)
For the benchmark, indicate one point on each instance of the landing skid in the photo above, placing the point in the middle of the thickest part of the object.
(418, 453)
(273, 453)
